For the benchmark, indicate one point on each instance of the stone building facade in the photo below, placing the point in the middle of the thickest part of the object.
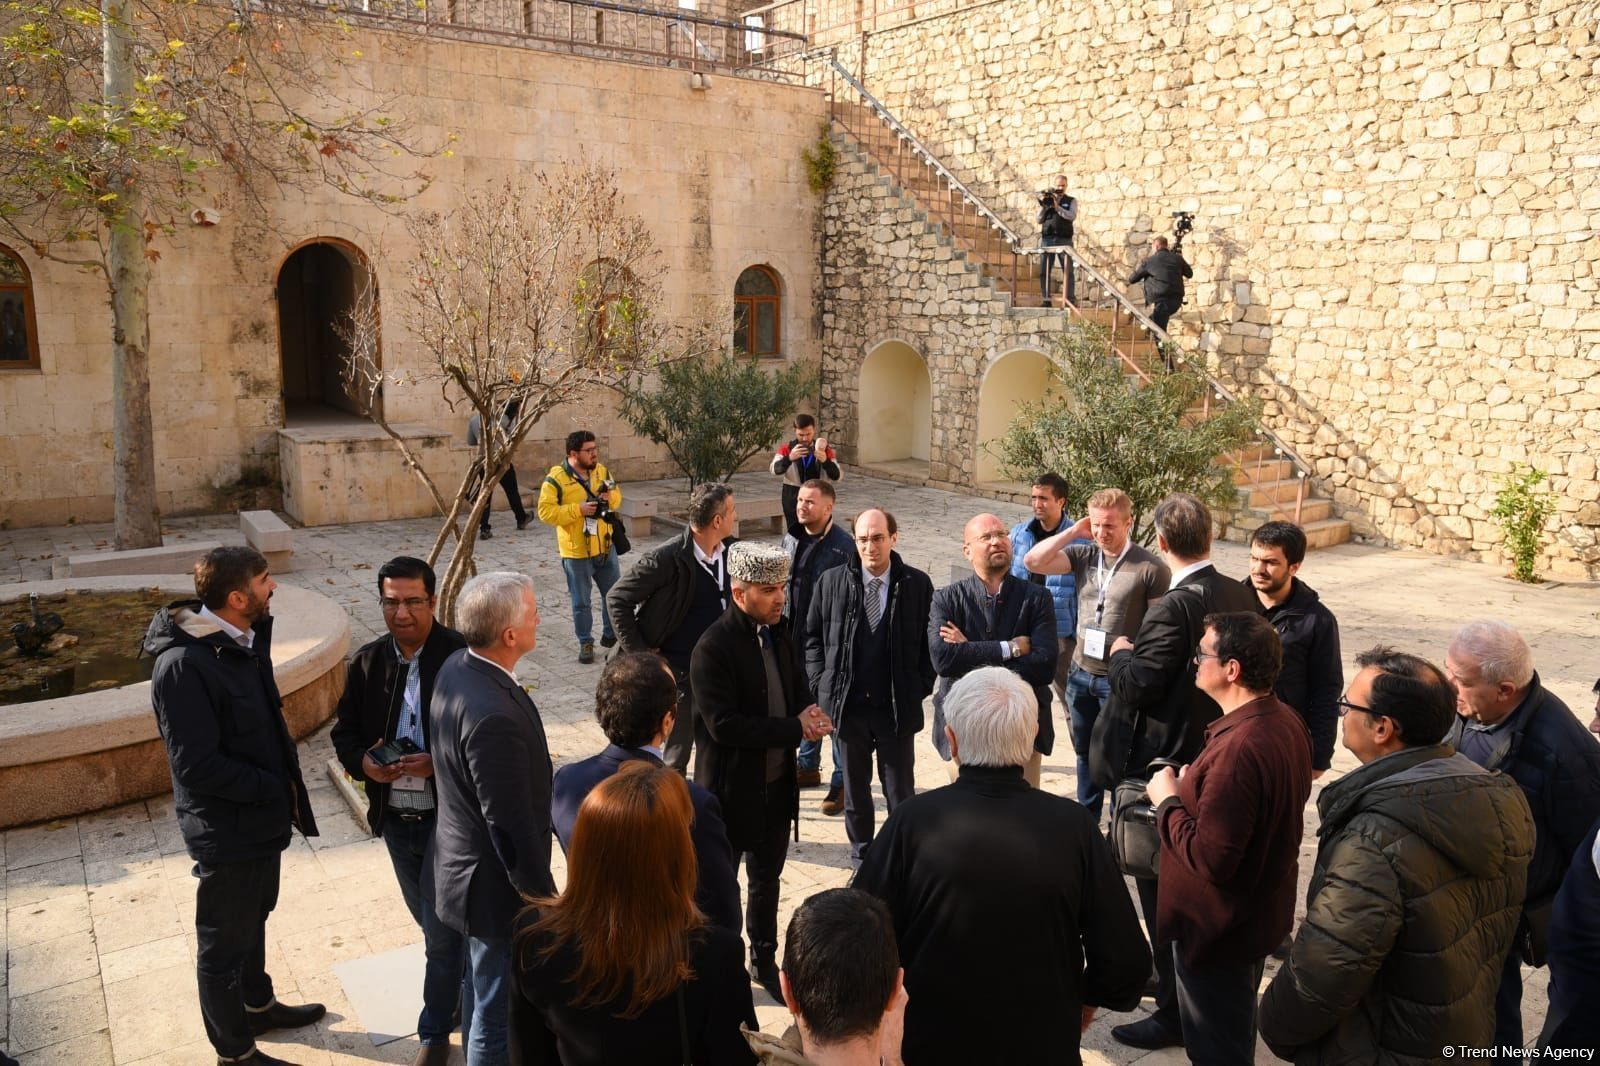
(1397, 207)
(703, 162)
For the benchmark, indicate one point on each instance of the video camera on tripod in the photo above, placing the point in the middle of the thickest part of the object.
(1182, 226)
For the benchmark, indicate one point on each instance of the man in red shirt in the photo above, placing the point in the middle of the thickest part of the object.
(1231, 824)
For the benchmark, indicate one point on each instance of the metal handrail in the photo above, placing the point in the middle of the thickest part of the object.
(919, 149)
(1123, 302)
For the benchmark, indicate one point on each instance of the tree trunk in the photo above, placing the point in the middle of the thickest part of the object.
(133, 474)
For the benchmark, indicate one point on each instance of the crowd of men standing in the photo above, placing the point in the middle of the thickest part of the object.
(981, 913)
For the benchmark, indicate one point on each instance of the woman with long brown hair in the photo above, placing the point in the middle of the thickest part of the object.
(622, 967)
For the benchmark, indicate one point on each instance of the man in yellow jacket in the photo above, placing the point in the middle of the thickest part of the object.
(575, 498)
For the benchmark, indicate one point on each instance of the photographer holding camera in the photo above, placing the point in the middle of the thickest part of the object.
(579, 497)
(1163, 272)
(1057, 212)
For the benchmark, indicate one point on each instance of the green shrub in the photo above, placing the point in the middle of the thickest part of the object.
(1521, 510)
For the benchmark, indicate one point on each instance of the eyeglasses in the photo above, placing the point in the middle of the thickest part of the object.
(876, 538)
(410, 603)
(1202, 656)
(1345, 707)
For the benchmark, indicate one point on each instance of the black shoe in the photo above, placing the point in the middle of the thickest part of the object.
(257, 1058)
(1281, 952)
(833, 802)
(765, 973)
(1147, 1034)
(608, 641)
(524, 522)
(485, 533)
(586, 652)
(283, 1016)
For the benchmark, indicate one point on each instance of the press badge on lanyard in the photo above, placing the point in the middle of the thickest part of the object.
(1094, 636)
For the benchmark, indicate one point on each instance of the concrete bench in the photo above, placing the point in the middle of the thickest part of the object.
(271, 536)
(176, 558)
(639, 514)
(765, 510)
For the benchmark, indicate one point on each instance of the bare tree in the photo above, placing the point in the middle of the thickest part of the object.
(118, 116)
(529, 295)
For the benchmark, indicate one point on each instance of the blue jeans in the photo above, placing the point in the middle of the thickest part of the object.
(486, 1001)
(601, 571)
(442, 978)
(1086, 694)
(809, 757)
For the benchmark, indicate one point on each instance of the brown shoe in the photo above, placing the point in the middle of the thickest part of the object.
(833, 802)
(435, 1055)
(808, 778)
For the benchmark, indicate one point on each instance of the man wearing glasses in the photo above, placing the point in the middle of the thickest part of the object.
(1230, 828)
(386, 703)
(993, 618)
(1415, 846)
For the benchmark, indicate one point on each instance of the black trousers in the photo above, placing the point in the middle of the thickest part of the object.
(675, 753)
(1218, 1008)
(1166, 1010)
(1063, 262)
(508, 482)
(1161, 311)
(230, 924)
(866, 731)
(791, 497)
(763, 871)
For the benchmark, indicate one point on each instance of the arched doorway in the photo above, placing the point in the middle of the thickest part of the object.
(1011, 380)
(318, 287)
(894, 410)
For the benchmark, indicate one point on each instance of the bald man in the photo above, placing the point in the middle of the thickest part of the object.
(993, 618)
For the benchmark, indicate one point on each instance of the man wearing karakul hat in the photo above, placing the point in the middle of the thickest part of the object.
(754, 708)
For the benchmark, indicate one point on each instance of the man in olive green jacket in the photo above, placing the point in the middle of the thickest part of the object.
(1422, 861)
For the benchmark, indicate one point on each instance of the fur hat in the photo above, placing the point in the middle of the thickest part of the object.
(758, 564)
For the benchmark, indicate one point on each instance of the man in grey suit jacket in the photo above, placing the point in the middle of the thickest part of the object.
(492, 772)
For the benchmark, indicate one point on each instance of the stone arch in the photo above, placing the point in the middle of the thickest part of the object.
(1016, 376)
(894, 406)
(318, 285)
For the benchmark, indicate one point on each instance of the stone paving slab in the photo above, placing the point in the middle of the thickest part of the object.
(97, 913)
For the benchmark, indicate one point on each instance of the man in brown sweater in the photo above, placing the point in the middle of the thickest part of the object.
(1230, 825)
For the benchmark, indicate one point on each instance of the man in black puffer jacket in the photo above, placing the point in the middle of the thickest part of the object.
(867, 658)
(236, 785)
(1421, 861)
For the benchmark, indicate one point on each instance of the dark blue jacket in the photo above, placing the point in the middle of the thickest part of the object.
(235, 774)
(1573, 1020)
(1063, 588)
(1312, 677)
(812, 556)
(718, 895)
(1557, 762)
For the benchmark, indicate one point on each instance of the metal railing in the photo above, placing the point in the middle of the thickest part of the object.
(827, 22)
(599, 29)
(1124, 310)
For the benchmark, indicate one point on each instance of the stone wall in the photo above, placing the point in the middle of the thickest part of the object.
(704, 167)
(1397, 207)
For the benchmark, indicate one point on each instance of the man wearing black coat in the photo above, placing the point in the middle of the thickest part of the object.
(635, 704)
(754, 709)
(672, 595)
(236, 785)
(994, 619)
(1162, 272)
(1313, 671)
(867, 660)
(388, 693)
(1508, 721)
(1012, 919)
(491, 763)
(1156, 711)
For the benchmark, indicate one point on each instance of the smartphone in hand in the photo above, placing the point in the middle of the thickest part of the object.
(392, 752)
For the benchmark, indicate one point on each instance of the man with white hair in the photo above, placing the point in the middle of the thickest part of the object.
(491, 771)
(753, 710)
(1008, 906)
(1507, 721)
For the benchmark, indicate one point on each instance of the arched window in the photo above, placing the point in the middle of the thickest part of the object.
(19, 337)
(756, 304)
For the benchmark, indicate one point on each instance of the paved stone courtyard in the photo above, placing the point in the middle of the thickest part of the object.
(96, 913)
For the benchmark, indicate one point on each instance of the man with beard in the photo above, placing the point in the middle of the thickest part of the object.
(993, 618)
(236, 785)
(576, 498)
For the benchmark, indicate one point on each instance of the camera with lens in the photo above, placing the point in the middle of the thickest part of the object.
(1182, 226)
(1048, 197)
(602, 501)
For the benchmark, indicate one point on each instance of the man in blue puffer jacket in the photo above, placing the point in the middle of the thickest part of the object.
(1049, 501)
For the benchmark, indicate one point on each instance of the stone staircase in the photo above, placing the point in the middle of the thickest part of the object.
(1271, 485)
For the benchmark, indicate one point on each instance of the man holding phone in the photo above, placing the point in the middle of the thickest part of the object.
(804, 457)
(382, 737)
